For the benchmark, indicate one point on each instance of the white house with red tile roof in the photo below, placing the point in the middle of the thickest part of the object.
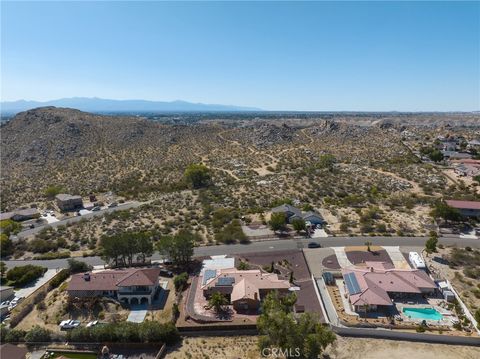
(132, 285)
(374, 285)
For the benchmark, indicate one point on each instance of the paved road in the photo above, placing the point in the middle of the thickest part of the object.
(120, 207)
(277, 245)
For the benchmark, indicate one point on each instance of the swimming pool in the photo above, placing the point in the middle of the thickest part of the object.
(422, 313)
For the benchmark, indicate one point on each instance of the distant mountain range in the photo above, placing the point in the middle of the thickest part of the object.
(94, 104)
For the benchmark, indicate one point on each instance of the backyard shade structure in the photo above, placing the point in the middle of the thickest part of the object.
(371, 286)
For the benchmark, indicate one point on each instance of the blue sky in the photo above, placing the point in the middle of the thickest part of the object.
(368, 56)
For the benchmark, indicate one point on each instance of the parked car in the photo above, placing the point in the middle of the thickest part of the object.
(96, 208)
(92, 323)
(113, 204)
(314, 245)
(166, 273)
(69, 324)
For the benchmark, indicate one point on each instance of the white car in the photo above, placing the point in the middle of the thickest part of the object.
(69, 324)
(92, 323)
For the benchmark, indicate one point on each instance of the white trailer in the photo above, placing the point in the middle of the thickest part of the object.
(416, 260)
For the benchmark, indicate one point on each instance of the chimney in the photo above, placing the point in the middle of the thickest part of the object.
(86, 276)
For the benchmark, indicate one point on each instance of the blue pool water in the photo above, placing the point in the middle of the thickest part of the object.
(422, 313)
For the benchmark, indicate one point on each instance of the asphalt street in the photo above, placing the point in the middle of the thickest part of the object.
(274, 245)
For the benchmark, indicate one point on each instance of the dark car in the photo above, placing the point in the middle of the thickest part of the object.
(314, 245)
(96, 208)
(166, 273)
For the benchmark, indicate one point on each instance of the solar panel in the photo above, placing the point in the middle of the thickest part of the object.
(352, 284)
(225, 281)
(209, 274)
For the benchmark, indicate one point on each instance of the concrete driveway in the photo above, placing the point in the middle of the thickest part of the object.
(137, 313)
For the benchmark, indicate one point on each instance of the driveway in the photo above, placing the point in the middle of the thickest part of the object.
(137, 313)
(27, 291)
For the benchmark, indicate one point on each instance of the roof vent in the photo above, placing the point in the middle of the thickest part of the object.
(86, 276)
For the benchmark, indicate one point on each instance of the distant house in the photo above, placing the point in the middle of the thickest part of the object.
(131, 286)
(20, 214)
(6, 293)
(245, 289)
(10, 351)
(292, 213)
(375, 285)
(466, 208)
(453, 155)
(67, 202)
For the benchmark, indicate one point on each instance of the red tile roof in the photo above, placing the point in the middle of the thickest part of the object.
(10, 351)
(112, 279)
(140, 277)
(463, 204)
(375, 283)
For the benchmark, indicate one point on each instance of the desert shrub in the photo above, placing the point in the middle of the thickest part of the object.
(52, 255)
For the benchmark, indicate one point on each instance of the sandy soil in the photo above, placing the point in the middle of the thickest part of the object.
(350, 348)
(344, 348)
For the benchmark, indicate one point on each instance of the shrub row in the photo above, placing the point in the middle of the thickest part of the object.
(126, 332)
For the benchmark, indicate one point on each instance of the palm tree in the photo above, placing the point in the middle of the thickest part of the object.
(217, 301)
(368, 244)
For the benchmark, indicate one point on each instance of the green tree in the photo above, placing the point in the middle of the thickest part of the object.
(431, 243)
(198, 175)
(277, 222)
(243, 266)
(280, 329)
(22, 275)
(368, 244)
(217, 301)
(436, 155)
(180, 281)
(7, 227)
(444, 211)
(38, 335)
(76, 266)
(51, 191)
(179, 248)
(3, 269)
(6, 245)
(299, 225)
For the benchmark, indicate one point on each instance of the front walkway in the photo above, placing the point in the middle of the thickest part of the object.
(342, 257)
(397, 257)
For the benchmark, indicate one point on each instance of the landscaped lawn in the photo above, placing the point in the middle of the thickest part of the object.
(72, 355)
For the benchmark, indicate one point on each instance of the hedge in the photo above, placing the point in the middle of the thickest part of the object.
(126, 332)
(19, 276)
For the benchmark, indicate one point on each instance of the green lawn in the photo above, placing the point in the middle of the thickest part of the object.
(73, 355)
